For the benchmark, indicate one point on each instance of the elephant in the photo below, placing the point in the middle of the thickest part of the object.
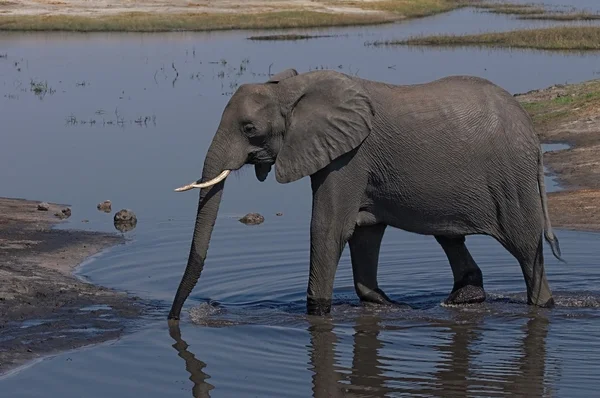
(448, 158)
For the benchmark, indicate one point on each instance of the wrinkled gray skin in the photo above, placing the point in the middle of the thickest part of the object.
(454, 157)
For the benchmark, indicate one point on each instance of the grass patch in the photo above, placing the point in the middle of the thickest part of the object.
(41, 88)
(410, 8)
(290, 37)
(146, 22)
(510, 9)
(559, 38)
(577, 16)
(393, 10)
(563, 104)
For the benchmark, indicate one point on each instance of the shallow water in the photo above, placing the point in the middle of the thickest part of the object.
(247, 332)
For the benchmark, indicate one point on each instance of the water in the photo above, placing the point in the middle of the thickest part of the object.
(247, 332)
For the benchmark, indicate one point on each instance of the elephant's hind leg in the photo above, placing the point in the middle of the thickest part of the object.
(364, 253)
(468, 279)
(527, 246)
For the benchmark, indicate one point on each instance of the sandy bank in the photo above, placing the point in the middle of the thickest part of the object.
(571, 114)
(204, 15)
(43, 308)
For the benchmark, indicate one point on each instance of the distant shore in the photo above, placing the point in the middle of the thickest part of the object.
(199, 15)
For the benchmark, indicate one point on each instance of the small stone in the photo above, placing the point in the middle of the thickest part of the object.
(279, 214)
(125, 215)
(105, 206)
(252, 219)
(43, 206)
(64, 213)
(125, 220)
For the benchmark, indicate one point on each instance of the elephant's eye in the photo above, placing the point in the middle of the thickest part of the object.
(249, 128)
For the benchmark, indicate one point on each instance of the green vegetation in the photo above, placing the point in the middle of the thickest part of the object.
(532, 12)
(290, 37)
(40, 88)
(409, 8)
(510, 9)
(559, 104)
(576, 16)
(559, 38)
(146, 22)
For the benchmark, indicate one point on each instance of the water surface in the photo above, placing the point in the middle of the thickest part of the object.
(129, 117)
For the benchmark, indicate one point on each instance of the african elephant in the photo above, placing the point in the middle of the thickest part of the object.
(453, 157)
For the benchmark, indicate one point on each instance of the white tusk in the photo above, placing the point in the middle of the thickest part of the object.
(207, 184)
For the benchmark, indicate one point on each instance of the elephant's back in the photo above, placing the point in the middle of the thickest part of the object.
(468, 117)
(449, 141)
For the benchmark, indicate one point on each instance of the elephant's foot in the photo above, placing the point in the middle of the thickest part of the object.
(548, 304)
(543, 300)
(375, 296)
(316, 306)
(468, 294)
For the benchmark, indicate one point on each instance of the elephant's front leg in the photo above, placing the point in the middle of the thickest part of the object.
(364, 252)
(328, 237)
(468, 279)
(336, 202)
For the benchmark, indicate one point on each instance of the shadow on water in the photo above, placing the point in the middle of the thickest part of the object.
(371, 372)
(193, 365)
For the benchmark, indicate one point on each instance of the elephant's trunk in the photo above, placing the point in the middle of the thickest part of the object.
(208, 206)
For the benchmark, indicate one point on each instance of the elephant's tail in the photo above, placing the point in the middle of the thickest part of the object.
(548, 233)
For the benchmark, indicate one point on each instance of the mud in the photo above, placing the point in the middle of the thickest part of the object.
(577, 168)
(44, 309)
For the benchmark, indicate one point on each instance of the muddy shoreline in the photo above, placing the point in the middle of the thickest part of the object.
(570, 114)
(44, 308)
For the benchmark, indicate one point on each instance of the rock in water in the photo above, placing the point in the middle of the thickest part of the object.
(105, 206)
(64, 213)
(43, 206)
(252, 219)
(125, 220)
(125, 215)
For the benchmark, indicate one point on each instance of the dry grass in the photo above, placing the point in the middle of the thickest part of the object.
(559, 38)
(510, 9)
(145, 22)
(563, 104)
(410, 8)
(391, 10)
(576, 16)
(290, 37)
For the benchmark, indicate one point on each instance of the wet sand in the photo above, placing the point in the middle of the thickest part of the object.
(570, 114)
(44, 309)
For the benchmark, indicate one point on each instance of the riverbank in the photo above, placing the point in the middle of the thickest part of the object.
(562, 38)
(44, 309)
(570, 114)
(199, 15)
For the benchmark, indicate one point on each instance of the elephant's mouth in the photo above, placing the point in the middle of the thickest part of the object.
(262, 170)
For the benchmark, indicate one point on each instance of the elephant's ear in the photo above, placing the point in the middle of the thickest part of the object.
(332, 116)
(282, 75)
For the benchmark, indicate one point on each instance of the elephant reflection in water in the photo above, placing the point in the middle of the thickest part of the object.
(372, 374)
(193, 365)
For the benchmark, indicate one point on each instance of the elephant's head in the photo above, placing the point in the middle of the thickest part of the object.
(299, 123)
